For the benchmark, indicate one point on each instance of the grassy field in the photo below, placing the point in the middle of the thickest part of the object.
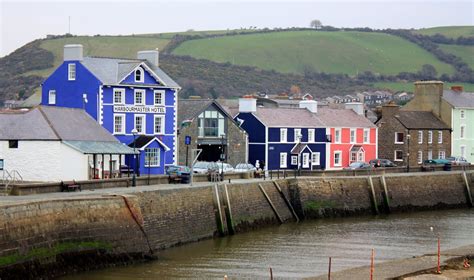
(466, 53)
(410, 87)
(448, 31)
(331, 52)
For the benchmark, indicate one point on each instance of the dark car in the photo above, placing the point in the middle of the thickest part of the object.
(439, 161)
(358, 165)
(178, 172)
(380, 162)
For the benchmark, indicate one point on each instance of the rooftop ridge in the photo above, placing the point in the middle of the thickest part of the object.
(110, 57)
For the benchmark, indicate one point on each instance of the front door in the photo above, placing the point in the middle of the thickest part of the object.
(305, 160)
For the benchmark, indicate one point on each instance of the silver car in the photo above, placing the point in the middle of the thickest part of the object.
(203, 167)
(458, 161)
(245, 167)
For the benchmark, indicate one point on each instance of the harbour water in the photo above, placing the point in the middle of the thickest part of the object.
(294, 251)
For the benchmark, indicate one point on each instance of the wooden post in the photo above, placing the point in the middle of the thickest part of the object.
(94, 159)
(102, 165)
(288, 203)
(220, 223)
(228, 212)
(385, 193)
(372, 265)
(329, 269)
(110, 166)
(120, 166)
(271, 274)
(469, 196)
(438, 267)
(374, 199)
(271, 203)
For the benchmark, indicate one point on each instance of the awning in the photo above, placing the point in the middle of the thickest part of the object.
(97, 147)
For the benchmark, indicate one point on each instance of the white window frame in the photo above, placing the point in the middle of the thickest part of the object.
(156, 158)
(297, 131)
(340, 158)
(305, 160)
(440, 137)
(162, 92)
(283, 160)
(420, 136)
(162, 117)
(430, 137)
(396, 134)
(52, 97)
(143, 92)
(462, 131)
(430, 154)
(352, 136)
(71, 71)
(419, 157)
(294, 160)
(122, 128)
(283, 135)
(360, 156)
(337, 135)
(442, 154)
(395, 155)
(462, 114)
(366, 135)
(462, 151)
(122, 95)
(311, 136)
(143, 117)
(142, 74)
(316, 158)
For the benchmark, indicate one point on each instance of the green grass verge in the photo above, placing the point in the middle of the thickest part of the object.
(448, 31)
(409, 87)
(40, 253)
(466, 53)
(331, 52)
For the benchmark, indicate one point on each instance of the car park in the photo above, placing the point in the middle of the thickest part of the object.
(380, 162)
(358, 165)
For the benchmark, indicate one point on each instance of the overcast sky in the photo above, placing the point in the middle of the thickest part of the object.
(24, 21)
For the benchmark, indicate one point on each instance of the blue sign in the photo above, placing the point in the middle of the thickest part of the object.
(187, 140)
(1, 164)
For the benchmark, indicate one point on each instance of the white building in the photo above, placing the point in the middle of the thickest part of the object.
(58, 144)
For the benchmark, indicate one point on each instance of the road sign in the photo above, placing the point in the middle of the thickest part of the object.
(187, 140)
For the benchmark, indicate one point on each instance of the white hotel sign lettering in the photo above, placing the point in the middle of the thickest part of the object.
(138, 109)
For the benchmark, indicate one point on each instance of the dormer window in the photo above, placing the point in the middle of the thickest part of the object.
(139, 75)
(71, 67)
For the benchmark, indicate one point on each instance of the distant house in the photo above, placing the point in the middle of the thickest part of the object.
(55, 144)
(212, 129)
(124, 96)
(375, 98)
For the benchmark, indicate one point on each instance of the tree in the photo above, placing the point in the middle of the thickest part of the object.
(316, 23)
(428, 72)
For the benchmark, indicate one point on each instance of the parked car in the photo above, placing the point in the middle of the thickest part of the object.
(204, 167)
(227, 167)
(439, 161)
(458, 161)
(358, 165)
(245, 167)
(380, 162)
(178, 170)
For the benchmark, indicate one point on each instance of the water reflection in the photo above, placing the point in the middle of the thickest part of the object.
(302, 250)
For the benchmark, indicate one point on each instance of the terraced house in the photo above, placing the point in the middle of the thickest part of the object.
(132, 98)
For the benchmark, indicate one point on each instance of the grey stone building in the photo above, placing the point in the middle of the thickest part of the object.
(211, 129)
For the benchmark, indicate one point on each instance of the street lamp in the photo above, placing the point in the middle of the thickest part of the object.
(408, 152)
(222, 156)
(134, 179)
(299, 155)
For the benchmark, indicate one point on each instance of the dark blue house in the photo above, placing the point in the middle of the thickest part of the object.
(284, 138)
(132, 98)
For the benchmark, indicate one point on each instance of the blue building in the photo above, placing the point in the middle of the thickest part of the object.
(284, 138)
(123, 95)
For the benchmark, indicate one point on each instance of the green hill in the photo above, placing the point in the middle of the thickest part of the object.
(331, 52)
(466, 53)
(448, 31)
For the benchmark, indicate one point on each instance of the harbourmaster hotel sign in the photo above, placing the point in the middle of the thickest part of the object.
(138, 109)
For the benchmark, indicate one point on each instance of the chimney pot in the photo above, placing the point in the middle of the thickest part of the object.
(310, 105)
(151, 57)
(73, 52)
(247, 104)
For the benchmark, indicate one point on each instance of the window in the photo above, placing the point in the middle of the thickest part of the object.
(463, 151)
(430, 137)
(419, 157)
(294, 160)
(139, 97)
(159, 124)
(430, 154)
(139, 75)
(360, 156)
(140, 124)
(398, 155)
(119, 124)
(440, 137)
(462, 131)
(337, 158)
(283, 160)
(283, 135)
(52, 97)
(159, 97)
(13, 144)
(399, 137)
(353, 156)
(152, 157)
(315, 159)
(71, 71)
(337, 135)
(311, 135)
(366, 135)
(353, 135)
(119, 96)
(420, 137)
(298, 135)
(462, 114)
(441, 154)
(211, 124)
(306, 160)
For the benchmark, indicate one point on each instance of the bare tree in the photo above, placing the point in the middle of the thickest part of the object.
(316, 23)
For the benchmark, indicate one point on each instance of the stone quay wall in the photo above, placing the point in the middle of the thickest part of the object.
(48, 238)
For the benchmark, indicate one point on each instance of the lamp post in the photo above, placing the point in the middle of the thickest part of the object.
(134, 179)
(408, 151)
(222, 156)
(299, 155)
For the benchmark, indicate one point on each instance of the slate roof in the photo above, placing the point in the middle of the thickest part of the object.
(190, 108)
(141, 141)
(459, 99)
(113, 70)
(420, 120)
(343, 118)
(298, 148)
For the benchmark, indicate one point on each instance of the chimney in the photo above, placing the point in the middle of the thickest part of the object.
(247, 104)
(357, 107)
(428, 97)
(311, 105)
(390, 109)
(457, 88)
(73, 52)
(151, 57)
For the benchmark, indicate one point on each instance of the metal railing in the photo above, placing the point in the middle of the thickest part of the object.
(10, 177)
